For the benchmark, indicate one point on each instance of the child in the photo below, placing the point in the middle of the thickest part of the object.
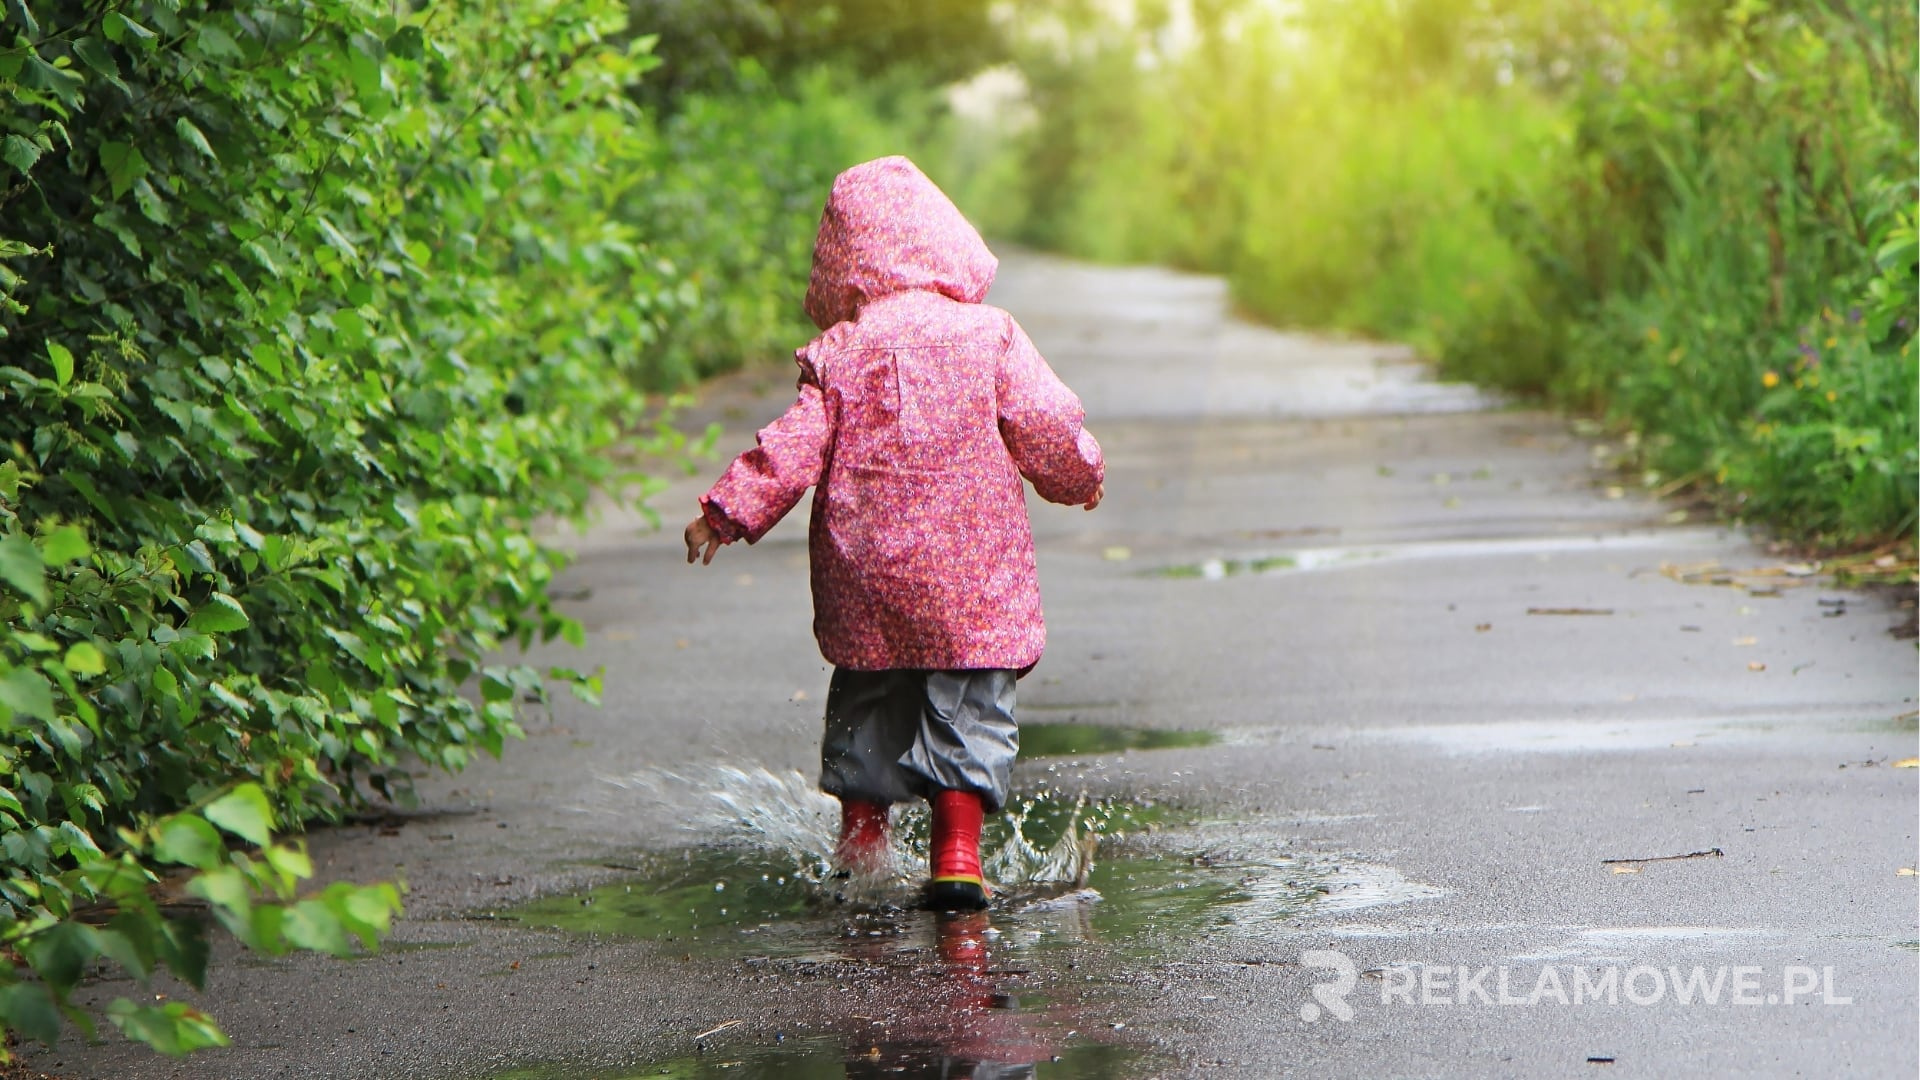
(920, 410)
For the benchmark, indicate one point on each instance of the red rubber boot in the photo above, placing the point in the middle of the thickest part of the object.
(957, 884)
(864, 827)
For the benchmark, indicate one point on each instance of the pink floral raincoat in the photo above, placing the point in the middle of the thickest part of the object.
(920, 410)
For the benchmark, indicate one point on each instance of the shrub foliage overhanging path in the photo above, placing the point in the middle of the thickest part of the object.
(306, 311)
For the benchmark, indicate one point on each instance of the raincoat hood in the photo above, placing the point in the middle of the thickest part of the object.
(889, 229)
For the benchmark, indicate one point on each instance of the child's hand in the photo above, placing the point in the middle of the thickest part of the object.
(1098, 494)
(698, 535)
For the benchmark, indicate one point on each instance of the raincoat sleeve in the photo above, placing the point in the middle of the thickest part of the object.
(1043, 425)
(764, 483)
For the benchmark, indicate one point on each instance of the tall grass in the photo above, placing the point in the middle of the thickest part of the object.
(1693, 217)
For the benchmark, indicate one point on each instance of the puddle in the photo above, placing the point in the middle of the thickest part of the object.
(1086, 893)
(1066, 738)
(1065, 871)
(723, 900)
(835, 1059)
(1540, 547)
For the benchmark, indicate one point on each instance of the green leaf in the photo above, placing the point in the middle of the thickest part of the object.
(19, 153)
(124, 164)
(364, 69)
(367, 911)
(193, 137)
(41, 75)
(62, 362)
(310, 925)
(407, 43)
(165, 682)
(213, 41)
(95, 55)
(120, 29)
(244, 812)
(127, 944)
(221, 614)
(63, 545)
(25, 15)
(83, 658)
(61, 953)
(495, 687)
(186, 839)
(182, 946)
(24, 690)
(21, 567)
(289, 861)
(226, 888)
(174, 1029)
(27, 1009)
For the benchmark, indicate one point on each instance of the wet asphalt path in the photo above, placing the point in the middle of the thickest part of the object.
(1405, 690)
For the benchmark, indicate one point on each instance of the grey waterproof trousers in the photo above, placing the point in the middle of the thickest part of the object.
(904, 734)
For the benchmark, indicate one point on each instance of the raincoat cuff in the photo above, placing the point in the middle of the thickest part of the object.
(728, 529)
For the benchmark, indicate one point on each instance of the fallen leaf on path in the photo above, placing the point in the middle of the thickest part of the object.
(1481, 628)
(1746, 641)
(1569, 611)
(1755, 665)
(1624, 869)
(1117, 554)
(1686, 743)
(1907, 763)
(1908, 871)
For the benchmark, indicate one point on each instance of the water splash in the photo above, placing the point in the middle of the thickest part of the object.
(1037, 841)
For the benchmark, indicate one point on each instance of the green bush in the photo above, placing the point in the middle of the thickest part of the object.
(1640, 208)
(308, 310)
(738, 181)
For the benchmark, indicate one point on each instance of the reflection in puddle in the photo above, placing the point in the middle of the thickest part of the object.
(953, 1007)
(835, 1059)
(1049, 739)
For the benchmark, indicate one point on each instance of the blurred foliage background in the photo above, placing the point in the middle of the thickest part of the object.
(1694, 218)
(311, 309)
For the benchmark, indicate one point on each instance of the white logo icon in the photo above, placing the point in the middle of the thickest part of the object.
(1331, 996)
